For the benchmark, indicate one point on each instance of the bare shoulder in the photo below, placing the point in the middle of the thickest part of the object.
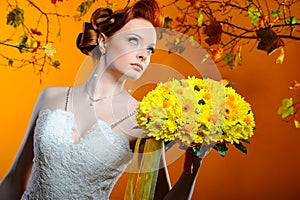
(53, 98)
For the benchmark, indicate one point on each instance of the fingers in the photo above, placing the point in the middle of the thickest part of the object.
(192, 162)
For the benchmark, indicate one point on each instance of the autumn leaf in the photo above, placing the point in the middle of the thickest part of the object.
(254, 15)
(269, 41)
(15, 17)
(291, 20)
(35, 32)
(83, 8)
(192, 41)
(297, 124)
(281, 56)
(296, 86)
(213, 31)
(200, 19)
(56, 63)
(49, 50)
(181, 18)
(286, 108)
(195, 3)
(22, 44)
(275, 13)
(217, 53)
(168, 23)
(10, 62)
(54, 1)
(228, 57)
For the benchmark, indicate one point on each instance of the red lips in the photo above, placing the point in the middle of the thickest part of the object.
(137, 66)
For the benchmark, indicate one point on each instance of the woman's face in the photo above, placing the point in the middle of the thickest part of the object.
(128, 51)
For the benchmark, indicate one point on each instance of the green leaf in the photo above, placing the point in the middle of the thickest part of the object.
(201, 150)
(201, 102)
(275, 13)
(246, 140)
(286, 108)
(23, 47)
(196, 88)
(15, 17)
(291, 20)
(241, 147)
(230, 84)
(254, 15)
(192, 41)
(221, 149)
(228, 57)
(83, 8)
(250, 1)
(181, 48)
(10, 62)
(58, 34)
(56, 63)
(167, 22)
(200, 19)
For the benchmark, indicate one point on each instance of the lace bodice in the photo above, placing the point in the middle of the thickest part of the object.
(85, 170)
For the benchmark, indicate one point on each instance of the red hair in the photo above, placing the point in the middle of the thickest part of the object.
(104, 20)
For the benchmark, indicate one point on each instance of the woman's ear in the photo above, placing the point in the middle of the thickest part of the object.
(101, 42)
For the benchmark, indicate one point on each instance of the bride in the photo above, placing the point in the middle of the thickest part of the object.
(80, 139)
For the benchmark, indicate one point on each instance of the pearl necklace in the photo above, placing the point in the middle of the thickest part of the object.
(101, 98)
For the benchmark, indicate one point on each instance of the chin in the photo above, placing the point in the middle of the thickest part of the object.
(133, 75)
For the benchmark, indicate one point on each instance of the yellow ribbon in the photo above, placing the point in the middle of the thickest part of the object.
(146, 178)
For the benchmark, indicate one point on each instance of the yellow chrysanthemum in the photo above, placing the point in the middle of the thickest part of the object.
(196, 111)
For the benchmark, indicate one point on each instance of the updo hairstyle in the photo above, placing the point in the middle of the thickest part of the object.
(104, 20)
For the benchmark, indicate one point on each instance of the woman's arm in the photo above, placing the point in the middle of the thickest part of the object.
(14, 183)
(184, 187)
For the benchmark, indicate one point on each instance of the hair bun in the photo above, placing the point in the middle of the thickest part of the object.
(100, 16)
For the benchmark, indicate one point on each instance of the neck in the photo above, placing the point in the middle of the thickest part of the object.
(103, 83)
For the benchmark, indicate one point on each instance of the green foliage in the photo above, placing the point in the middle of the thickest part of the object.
(240, 147)
(200, 19)
(192, 41)
(83, 8)
(55, 63)
(167, 23)
(221, 149)
(15, 17)
(230, 84)
(291, 20)
(254, 15)
(246, 140)
(286, 108)
(228, 57)
(10, 62)
(22, 43)
(275, 13)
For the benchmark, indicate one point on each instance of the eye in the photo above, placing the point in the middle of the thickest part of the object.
(151, 50)
(133, 40)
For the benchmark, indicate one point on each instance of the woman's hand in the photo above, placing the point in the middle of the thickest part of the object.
(192, 161)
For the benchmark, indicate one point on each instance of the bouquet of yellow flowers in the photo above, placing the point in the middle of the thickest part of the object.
(199, 114)
(197, 111)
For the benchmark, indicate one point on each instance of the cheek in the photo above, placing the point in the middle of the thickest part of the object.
(120, 55)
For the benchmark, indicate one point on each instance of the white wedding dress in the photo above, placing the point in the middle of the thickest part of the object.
(86, 170)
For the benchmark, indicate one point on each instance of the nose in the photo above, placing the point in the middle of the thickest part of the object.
(142, 54)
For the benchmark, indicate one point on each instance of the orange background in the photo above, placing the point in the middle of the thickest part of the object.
(269, 171)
